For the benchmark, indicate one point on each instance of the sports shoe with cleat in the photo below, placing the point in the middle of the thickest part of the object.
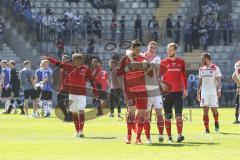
(216, 127)
(47, 115)
(170, 140)
(76, 135)
(149, 141)
(111, 115)
(236, 122)
(180, 138)
(128, 139)
(138, 141)
(81, 135)
(207, 131)
(160, 139)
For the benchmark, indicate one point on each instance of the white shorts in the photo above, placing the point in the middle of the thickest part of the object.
(77, 102)
(155, 102)
(209, 101)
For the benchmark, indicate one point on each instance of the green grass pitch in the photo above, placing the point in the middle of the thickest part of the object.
(23, 138)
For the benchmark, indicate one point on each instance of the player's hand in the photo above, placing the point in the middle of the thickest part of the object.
(185, 93)
(219, 94)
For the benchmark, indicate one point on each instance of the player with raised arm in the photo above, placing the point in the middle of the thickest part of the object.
(76, 80)
(209, 90)
(133, 71)
(236, 79)
(176, 76)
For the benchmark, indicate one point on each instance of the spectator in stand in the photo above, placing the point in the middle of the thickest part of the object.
(227, 30)
(27, 12)
(188, 38)
(178, 30)
(17, 8)
(154, 28)
(69, 13)
(216, 32)
(87, 23)
(77, 23)
(97, 24)
(169, 27)
(114, 28)
(1, 34)
(195, 32)
(138, 29)
(26, 4)
(38, 25)
(60, 47)
(122, 28)
(204, 36)
(91, 45)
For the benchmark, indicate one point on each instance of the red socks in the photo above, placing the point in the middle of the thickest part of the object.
(168, 127)
(179, 123)
(147, 128)
(139, 125)
(160, 124)
(206, 121)
(130, 123)
(216, 117)
(81, 121)
(76, 121)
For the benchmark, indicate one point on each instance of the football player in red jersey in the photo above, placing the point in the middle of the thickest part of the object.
(176, 76)
(76, 81)
(133, 72)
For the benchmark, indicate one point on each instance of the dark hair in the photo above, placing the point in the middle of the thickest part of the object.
(26, 62)
(135, 43)
(206, 55)
(12, 62)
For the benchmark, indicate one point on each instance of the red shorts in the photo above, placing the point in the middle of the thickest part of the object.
(138, 99)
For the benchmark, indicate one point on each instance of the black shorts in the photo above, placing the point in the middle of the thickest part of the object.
(30, 93)
(15, 92)
(38, 92)
(63, 100)
(171, 100)
(6, 93)
(102, 94)
(46, 95)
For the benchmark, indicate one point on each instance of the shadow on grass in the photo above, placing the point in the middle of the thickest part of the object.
(100, 138)
(184, 144)
(225, 133)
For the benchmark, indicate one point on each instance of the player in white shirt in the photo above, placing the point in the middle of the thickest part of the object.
(236, 79)
(154, 96)
(209, 90)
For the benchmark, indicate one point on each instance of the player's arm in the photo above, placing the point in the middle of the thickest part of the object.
(184, 80)
(235, 79)
(59, 63)
(199, 89)
(121, 68)
(89, 77)
(219, 86)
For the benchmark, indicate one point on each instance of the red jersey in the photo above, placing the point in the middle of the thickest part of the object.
(77, 77)
(175, 74)
(102, 79)
(134, 81)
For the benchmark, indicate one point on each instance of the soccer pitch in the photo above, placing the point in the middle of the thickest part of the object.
(23, 138)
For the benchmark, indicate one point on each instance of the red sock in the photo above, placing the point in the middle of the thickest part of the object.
(179, 123)
(160, 124)
(139, 125)
(168, 127)
(206, 121)
(130, 123)
(76, 121)
(216, 117)
(147, 129)
(81, 121)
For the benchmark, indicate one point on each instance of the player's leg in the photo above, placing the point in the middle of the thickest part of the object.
(178, 106)
(130, 118)
(48, 99)
(168, 104)
(215, 116)
(214, 108)
(75, 118)
(205, 103)
(158, 105)
(81, 122)
(25, 103)
(237, 110)
(140, 120)
(206, 118)
(119, 95)
(82, 102)
(113, 102)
